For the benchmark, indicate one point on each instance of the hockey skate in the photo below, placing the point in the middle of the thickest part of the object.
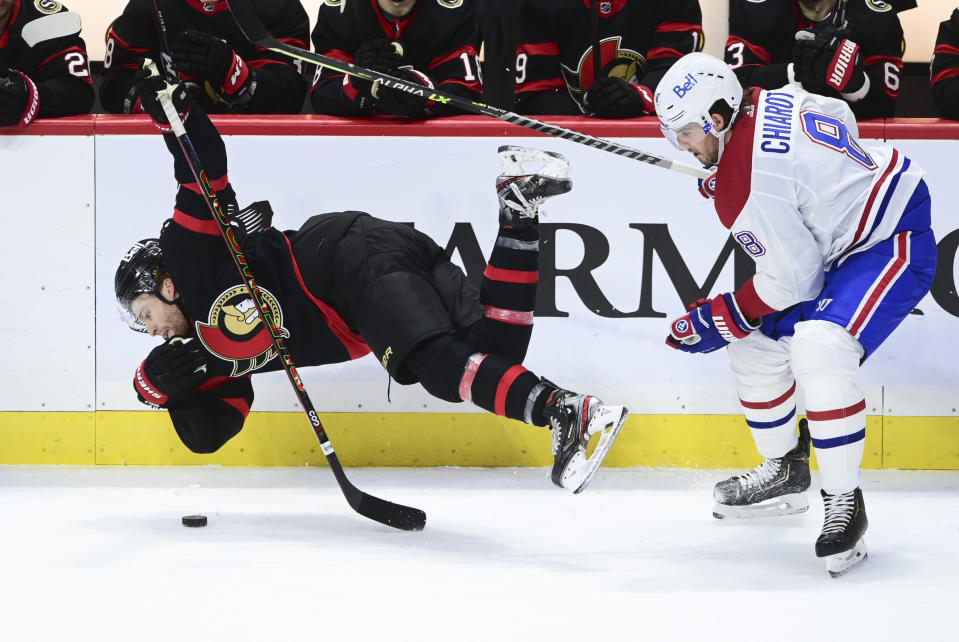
(841, 542)
(574, 420)
(775, 487)
(527, 178)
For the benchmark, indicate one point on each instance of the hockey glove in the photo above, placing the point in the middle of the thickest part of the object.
(616, 98)
(208, 58)
(170, 371)
(707, 186)
(382, 55)
(710, 325)
(19, 98)
(147, 85)
(402, 103)
(825, 58)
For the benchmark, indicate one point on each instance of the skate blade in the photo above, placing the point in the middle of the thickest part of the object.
(521, 161)
(841, 563)
(607, 422)
(785, 505)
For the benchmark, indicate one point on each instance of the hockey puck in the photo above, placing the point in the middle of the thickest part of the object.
(194, 521)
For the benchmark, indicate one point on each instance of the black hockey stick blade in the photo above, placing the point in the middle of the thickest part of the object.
(254, 30)
(405, 518)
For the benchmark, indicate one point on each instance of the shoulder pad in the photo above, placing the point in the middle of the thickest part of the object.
(50, 27)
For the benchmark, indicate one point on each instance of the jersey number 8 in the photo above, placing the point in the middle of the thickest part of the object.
(831, 132)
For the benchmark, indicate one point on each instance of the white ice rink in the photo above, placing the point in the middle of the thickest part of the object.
(100, 554)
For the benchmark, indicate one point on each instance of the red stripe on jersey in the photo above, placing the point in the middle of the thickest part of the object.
(541, 85)
(946, 49)
(217, 184)
(510, 276)
(758, 51)
(677, 26)
(663, 52)
(877, 60)
(126, 45)
(539, 49)
(295, 42)
(944, 74)
(499, 404)
(393, 30)
(354, 343)
(839, 413)
(60, 54)
(769, 405)
(239, 403)
(732, 192)
(750, 304)
(472, 84)
(194, 224)
(872, 197)
(215, 382)
(456, 53)
(466, 383)
(890, 276)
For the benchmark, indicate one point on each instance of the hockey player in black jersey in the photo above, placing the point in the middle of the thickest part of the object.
(775, 42)
(428, 42)
(44, 71)
(638, 41)
(225, 72)
(343, 285)
(944, 70)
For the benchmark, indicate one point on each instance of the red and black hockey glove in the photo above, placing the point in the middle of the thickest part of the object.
(382, 55)
(19, 98)
(147, 85)
(615, 98)
(171, 370)
(710, 325)
(824, 58)
(209, 58)
(403, 103)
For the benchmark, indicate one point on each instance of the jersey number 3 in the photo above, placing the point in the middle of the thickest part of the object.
(831, 132)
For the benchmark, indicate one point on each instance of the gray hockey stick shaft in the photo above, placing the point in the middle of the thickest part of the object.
(254, 30)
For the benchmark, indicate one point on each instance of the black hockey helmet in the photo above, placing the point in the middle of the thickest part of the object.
(141, 271)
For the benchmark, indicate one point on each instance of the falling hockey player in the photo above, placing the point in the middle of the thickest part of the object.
(343, 285)
(840, 233)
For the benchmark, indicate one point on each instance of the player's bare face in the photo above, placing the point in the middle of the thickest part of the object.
(5, 7)
(693, 139)
(158, 317)
(397, 8)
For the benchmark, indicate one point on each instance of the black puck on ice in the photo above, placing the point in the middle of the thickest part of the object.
(194, 520)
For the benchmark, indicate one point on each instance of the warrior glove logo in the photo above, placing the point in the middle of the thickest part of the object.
(236, 331)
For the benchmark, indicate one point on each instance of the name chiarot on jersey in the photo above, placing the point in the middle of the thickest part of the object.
(777, 110)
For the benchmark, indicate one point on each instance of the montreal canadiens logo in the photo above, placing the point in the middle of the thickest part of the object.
(235, 330)
(682, 326)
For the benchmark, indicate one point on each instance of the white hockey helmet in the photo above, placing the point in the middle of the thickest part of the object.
(686, 98)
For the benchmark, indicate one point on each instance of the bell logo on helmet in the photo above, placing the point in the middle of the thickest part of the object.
(682, 90)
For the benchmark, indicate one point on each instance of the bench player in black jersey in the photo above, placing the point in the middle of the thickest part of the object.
(343, 285)
(428, 42)
(638, 41)
(44, 70)
(764, 50)
(226, 73)
(944, 70)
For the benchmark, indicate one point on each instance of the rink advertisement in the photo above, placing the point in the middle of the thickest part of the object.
(621, 255)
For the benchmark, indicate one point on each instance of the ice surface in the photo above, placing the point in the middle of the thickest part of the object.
(100, 554)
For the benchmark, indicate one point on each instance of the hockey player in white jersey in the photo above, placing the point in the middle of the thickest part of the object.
(840, 233)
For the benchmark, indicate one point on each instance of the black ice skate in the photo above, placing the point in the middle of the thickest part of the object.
(574, 419)
(527, 178)
(775, 487)
(841, 541)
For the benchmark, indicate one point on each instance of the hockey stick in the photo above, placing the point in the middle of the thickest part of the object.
(839, 20)
(398, 516)
(255, 32)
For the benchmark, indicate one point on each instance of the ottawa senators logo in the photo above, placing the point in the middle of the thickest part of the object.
(615, 61)
(236, 332)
